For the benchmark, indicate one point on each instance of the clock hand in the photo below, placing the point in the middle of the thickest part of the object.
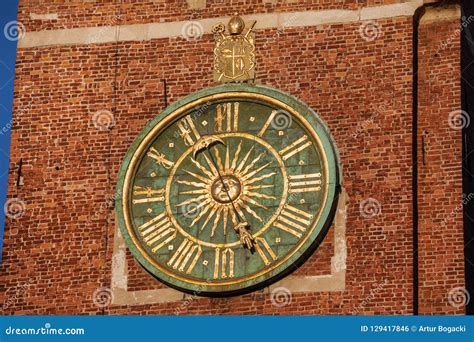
(245, 237)
(242, 226)
(204, 144)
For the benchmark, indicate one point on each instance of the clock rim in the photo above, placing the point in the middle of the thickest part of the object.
(319, 133)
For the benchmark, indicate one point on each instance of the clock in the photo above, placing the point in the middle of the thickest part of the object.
(228, 190)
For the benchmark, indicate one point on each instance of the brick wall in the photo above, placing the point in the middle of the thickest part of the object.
(441, 244)
(87, 13)
(60, 251)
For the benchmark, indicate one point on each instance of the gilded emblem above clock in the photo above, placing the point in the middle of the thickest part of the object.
(228, 190)
(234, 53)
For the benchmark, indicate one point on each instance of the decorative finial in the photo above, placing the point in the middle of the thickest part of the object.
(236, 25)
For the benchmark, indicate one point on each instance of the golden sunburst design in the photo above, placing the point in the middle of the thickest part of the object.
(241, 178)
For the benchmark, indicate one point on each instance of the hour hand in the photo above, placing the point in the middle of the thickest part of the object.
(204, 143)
(245, 237)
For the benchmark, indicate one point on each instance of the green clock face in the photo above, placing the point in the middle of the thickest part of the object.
(228, 190)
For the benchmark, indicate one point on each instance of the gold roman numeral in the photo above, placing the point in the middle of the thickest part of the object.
(149, 193)
(295, 147)
(157, 232)
(293, 220)
(264, 250)
(188, 131)
(160, 158)
(227, 117)
(224, 262)
(305, 183)
(267, 123)
(184, 256)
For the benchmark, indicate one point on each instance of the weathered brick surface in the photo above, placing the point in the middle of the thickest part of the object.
(72, 14)
(439, 164)
(111, 12)
(62, 247)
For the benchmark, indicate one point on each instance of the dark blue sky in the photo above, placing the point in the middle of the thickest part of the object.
(8, 42)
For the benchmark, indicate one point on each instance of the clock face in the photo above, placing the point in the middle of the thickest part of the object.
(228, 190)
